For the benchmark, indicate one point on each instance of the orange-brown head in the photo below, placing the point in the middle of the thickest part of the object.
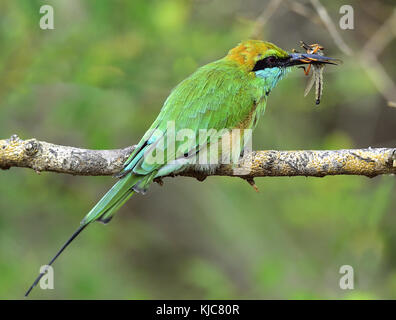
(254, 55)
(249, 52)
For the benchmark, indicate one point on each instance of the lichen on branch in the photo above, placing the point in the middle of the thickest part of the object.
(44, 156)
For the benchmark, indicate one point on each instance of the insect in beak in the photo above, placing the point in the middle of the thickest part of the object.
(313, 57)
(310, 58)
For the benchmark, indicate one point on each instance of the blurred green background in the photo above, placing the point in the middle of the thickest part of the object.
(98, 81)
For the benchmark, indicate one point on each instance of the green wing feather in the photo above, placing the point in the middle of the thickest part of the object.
(217, 96)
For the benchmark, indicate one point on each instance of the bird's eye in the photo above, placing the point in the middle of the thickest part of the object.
(268, 62)
(271, 60)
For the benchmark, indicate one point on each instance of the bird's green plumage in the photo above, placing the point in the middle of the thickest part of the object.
(219, 95)
(112, 200)
(226, 94)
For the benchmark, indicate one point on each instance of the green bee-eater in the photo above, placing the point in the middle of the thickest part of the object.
(230, 93)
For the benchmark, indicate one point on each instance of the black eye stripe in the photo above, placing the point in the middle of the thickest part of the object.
(269, 62)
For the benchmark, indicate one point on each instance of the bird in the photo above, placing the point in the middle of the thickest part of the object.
(228, 94)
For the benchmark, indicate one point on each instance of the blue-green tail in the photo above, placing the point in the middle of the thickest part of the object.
(104, 210)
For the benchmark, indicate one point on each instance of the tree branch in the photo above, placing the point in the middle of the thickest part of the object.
(44, 156)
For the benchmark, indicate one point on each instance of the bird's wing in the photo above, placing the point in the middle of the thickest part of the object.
(217, 96)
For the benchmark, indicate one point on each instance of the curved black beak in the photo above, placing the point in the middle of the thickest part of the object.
(296, 59)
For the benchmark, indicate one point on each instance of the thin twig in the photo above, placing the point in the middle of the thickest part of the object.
(263, 18)
(368, 55)
(369, 58)
(323, 14)
(304, 11)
